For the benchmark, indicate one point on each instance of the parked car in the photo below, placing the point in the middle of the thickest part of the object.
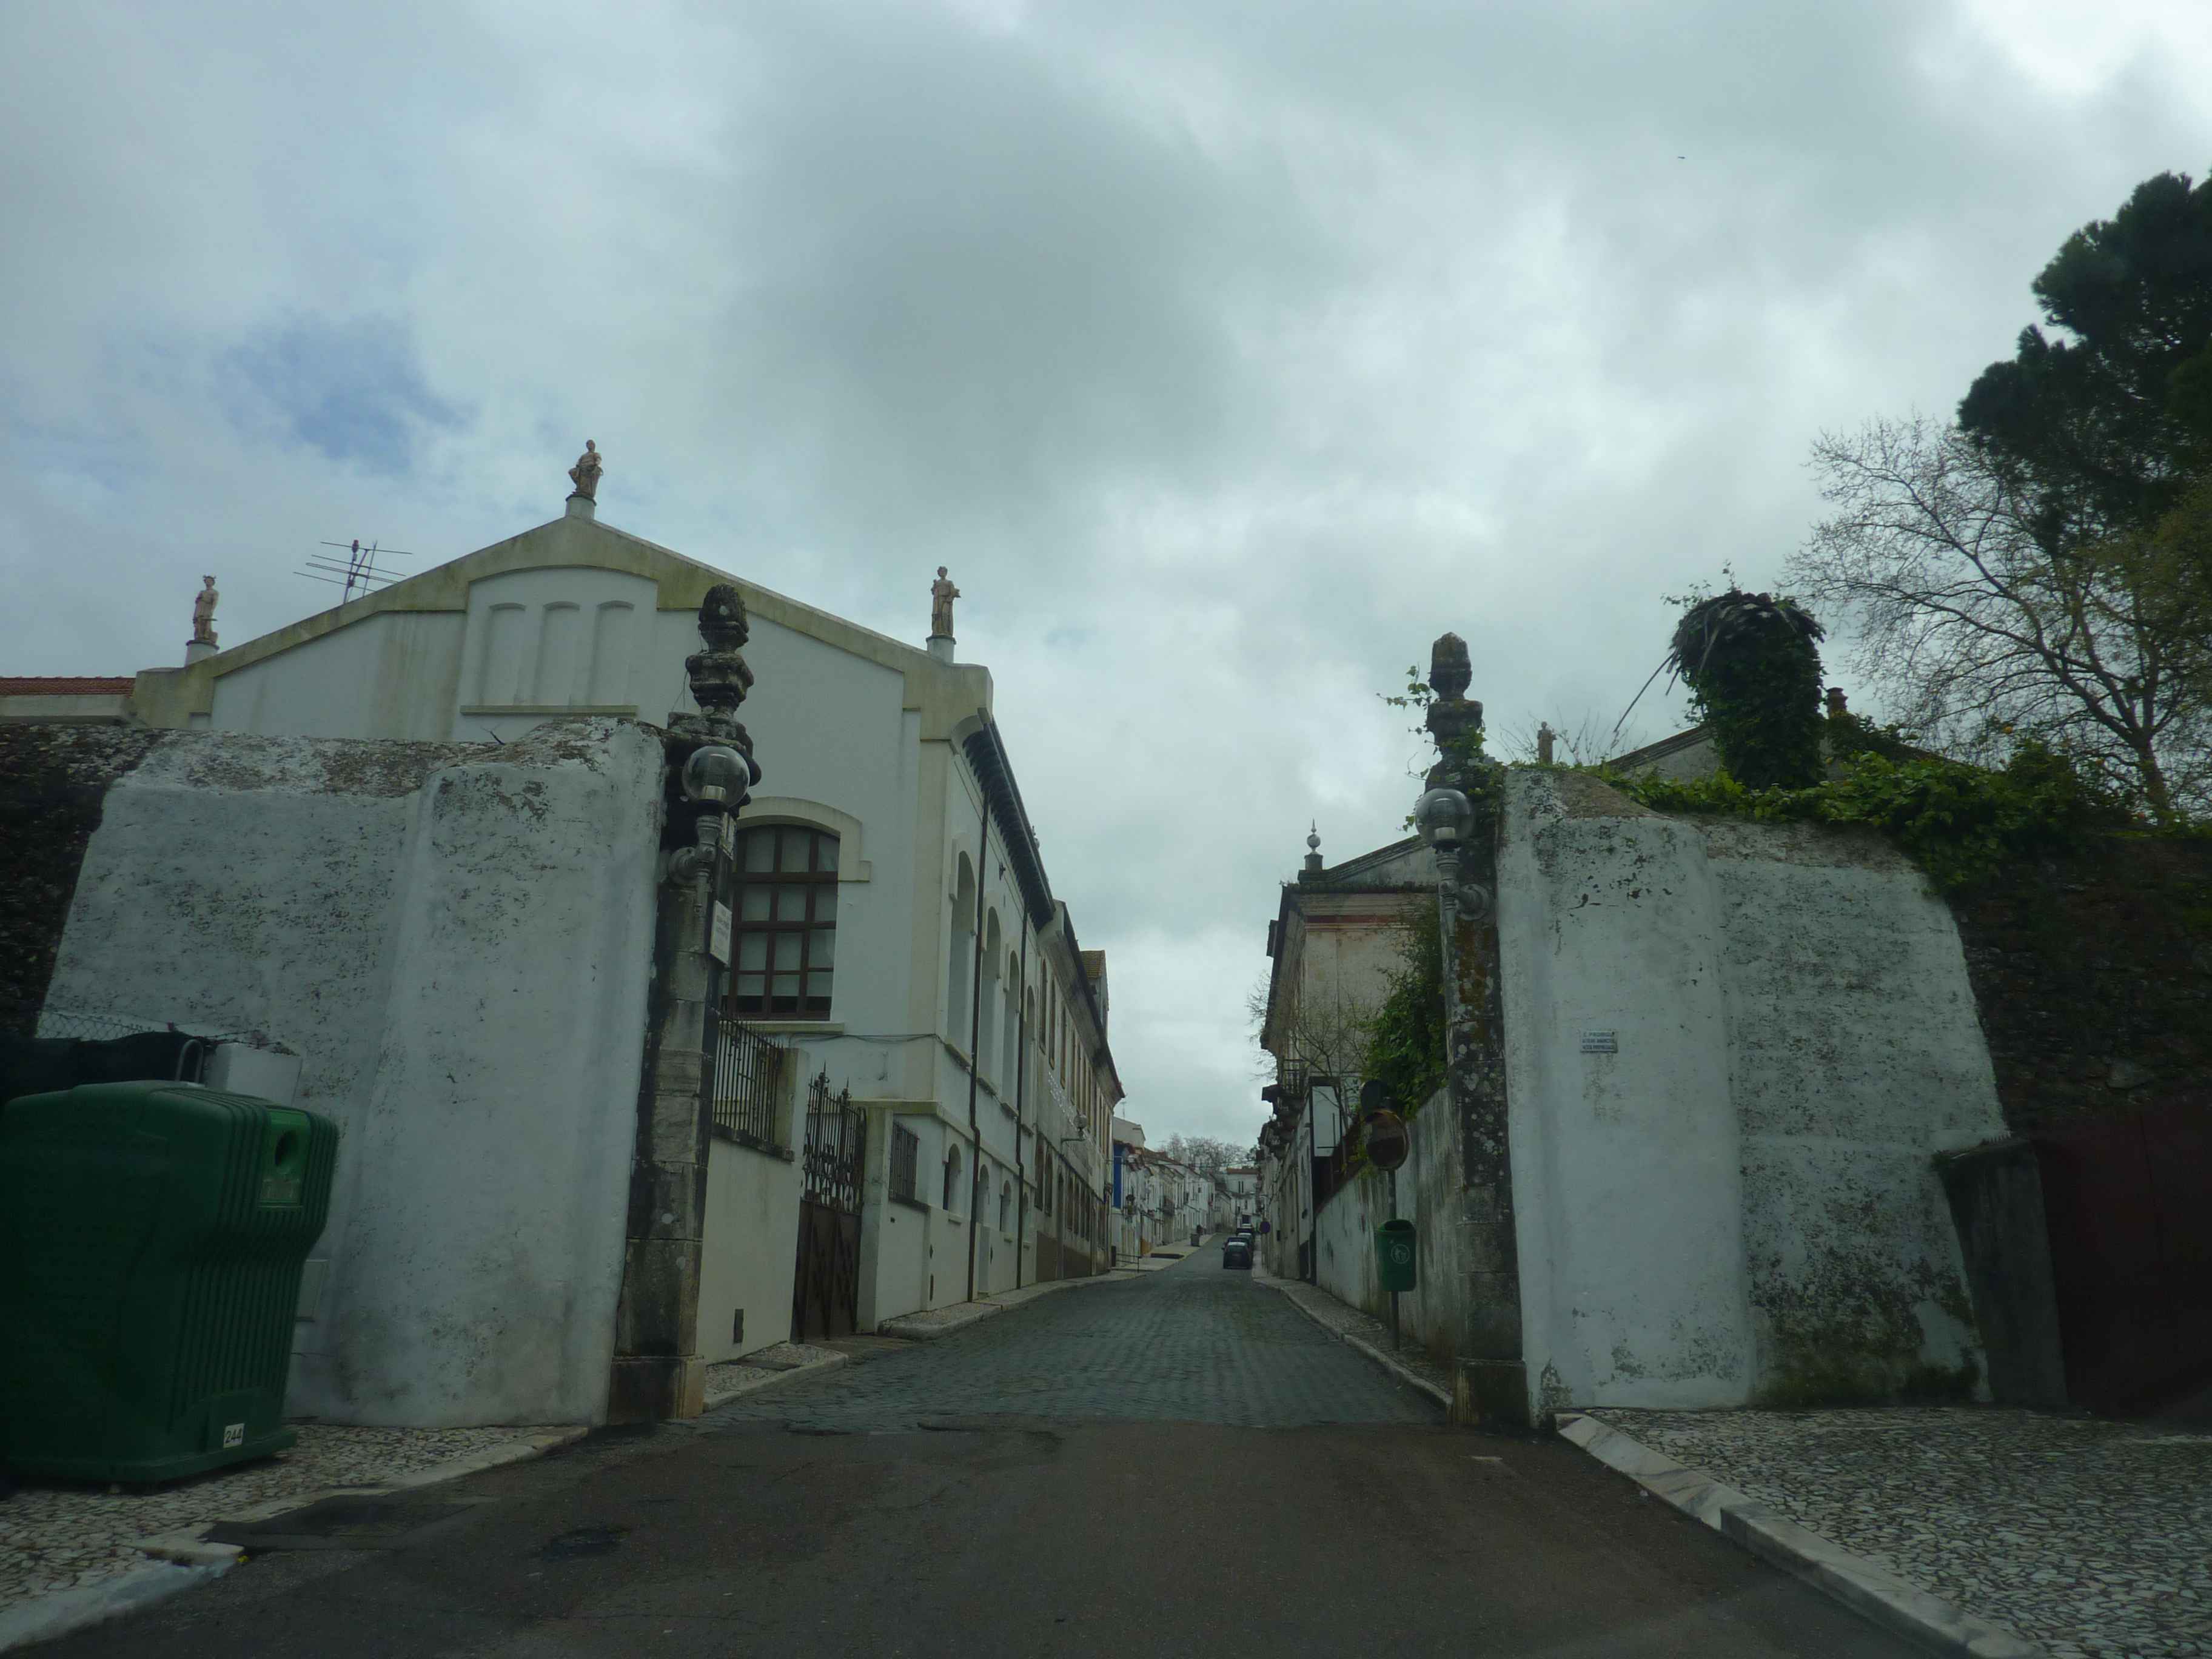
(1236, 1250)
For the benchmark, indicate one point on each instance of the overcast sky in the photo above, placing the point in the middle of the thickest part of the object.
(1227, 353)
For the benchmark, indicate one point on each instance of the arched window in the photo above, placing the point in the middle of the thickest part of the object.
(960, 939)
(1005, 1206)
(951, 1180)
(785, 926)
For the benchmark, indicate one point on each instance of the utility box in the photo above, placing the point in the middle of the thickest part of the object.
(1394, 1254)
(151, 1241)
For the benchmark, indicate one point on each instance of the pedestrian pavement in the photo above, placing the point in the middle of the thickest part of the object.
(71, 1551)
(2090, 1537)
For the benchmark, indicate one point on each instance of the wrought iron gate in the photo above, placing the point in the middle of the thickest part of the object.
(825, 1297)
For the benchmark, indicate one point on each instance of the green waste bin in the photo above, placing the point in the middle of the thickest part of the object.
(1394, 1254)
(152, 1236)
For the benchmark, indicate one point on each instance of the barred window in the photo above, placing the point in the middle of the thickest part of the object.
(786, 943)
(906, 1155)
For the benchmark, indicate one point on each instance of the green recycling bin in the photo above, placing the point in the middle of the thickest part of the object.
(1394, 1254)
(152, 1236)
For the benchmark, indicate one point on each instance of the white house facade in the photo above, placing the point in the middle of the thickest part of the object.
(890, 924)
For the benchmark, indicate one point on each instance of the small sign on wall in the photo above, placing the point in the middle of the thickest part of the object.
(717, 941)
(1599, 1042)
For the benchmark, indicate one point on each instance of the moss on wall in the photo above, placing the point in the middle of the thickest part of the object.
(2093, 977)
(53, 779)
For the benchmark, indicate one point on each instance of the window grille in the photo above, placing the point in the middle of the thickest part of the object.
(748, 1070)
(906, 1158)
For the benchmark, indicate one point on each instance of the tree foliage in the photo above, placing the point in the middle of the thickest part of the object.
(2100, 430)
(1753, 672)
(1985, 638)
(1204, 1153)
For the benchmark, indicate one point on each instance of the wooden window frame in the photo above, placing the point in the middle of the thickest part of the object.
(817, 886)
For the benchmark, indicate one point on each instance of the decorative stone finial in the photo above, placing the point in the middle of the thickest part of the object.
(203, 603)
(1449, 671)
(1453, 714)
(718, 675)
(942, 592)
(1313, 849)
(585, 475)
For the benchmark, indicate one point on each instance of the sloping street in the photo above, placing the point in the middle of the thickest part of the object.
(1176, 1463)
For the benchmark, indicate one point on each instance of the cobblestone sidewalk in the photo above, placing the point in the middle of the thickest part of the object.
(69, 1537)
(1371, 1336)
(2090, 1537)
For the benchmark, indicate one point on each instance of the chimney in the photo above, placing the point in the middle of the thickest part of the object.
(1836, 702)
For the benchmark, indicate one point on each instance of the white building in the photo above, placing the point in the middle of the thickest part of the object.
(1336, 940)
(892, 920)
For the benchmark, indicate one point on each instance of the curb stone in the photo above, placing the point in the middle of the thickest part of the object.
(768, 1379)
(914, 1327)
(180, 1560)
(1389, 1362)
(1873, 1591)
(46, 1617)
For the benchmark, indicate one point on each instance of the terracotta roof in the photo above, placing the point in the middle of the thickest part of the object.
(67, 685)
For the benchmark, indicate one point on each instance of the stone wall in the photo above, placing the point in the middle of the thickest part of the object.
(2094, 979)
(1734, 1051)
(455, 939)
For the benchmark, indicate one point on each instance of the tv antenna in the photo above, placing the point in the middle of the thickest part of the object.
(355, 566)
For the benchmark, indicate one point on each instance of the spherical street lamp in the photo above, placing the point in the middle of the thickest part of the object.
(1445, 816)
(717, 776)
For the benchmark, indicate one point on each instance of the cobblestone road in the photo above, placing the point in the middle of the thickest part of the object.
(1196, 1343)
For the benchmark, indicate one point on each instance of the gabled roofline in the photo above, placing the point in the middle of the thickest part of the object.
(164, 696)
(1661, 749)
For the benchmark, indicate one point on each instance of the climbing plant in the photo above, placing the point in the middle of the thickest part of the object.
(1406, 1037)
(1754, 677)
(1960, 824)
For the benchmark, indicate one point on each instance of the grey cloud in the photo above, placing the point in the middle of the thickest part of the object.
(1228, 352)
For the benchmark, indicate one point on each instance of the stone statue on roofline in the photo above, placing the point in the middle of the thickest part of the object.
(203, 603)
(942, 592)
(585, 475)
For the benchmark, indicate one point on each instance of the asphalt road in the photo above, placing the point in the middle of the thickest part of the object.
(1180, 1464)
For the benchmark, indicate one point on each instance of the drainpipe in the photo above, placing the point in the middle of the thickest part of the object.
(1021, 1081)
(975, 1028)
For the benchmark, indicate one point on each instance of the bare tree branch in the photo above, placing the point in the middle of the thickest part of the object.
(1982, 636)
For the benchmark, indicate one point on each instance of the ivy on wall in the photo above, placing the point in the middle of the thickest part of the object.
(1406, 1037)
(1960, 824)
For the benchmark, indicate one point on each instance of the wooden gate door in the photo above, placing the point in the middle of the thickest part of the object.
(825, 1296)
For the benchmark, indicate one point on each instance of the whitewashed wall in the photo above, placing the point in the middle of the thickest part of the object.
(391, 675)
(457, 946)
(1431, 1315)
(747, 1261)
(1736, 1202)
